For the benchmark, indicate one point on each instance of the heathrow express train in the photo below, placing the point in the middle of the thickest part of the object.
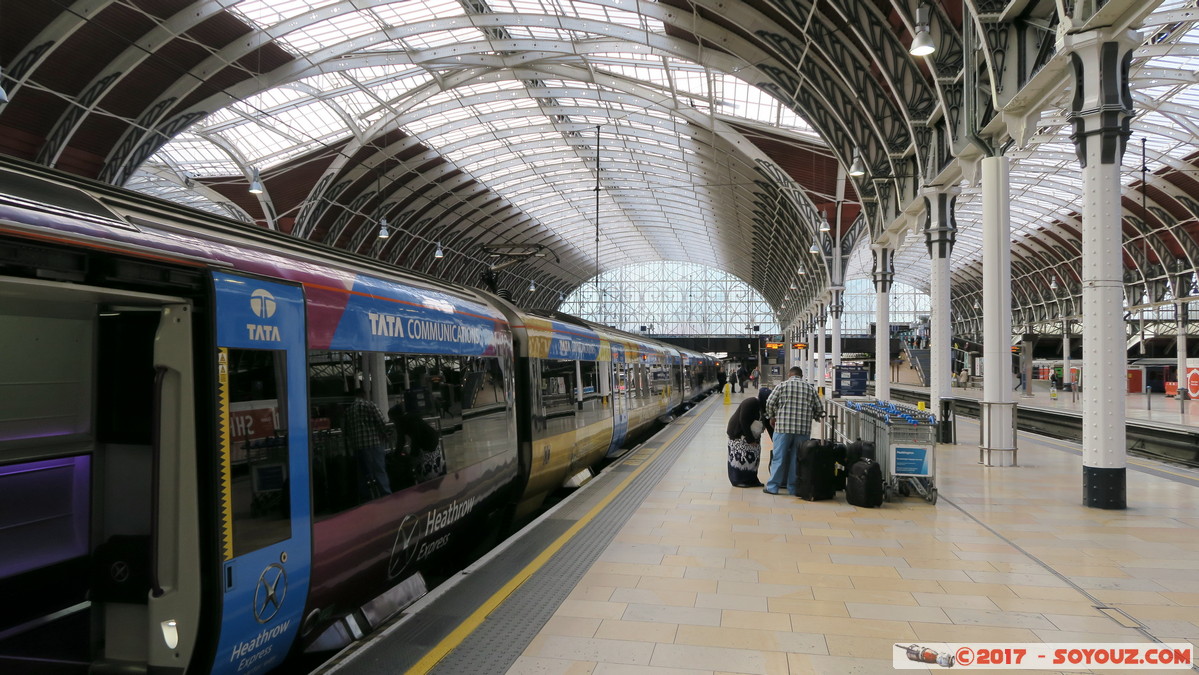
(178, 492)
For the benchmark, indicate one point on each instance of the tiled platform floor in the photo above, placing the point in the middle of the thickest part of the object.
(707, 578)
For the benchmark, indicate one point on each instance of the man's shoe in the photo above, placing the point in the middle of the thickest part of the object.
(769, 492)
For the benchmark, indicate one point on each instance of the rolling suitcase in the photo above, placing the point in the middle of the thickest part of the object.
(816, 469)
(864, 484)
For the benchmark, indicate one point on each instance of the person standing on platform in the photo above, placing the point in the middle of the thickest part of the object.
(745, 444)
(721, 378)
(791, 408)
(366, 434)
(742, 376)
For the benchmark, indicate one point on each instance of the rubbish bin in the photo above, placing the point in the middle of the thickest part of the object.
(947, 431)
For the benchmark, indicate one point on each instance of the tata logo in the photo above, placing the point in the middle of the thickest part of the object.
(270, 592)
(263, 303)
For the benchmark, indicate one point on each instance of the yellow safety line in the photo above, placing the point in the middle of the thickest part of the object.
(477, 617)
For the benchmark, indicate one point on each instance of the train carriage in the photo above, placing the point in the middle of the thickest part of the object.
(207, 514)
(183, 482)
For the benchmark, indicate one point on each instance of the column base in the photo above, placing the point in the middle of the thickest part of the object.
(1104, 488)
(997, 434)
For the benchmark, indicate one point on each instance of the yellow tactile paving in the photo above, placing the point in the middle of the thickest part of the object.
(707, 578)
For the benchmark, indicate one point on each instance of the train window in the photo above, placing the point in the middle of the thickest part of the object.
(261, 497)
(442, 413)
(448, 412)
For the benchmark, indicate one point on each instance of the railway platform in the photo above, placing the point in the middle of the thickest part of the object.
(659, 566)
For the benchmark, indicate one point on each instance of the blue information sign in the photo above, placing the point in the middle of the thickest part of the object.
(850, 380)
(912, 460)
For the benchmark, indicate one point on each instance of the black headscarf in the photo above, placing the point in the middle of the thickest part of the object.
(746, 414)
(763, 396)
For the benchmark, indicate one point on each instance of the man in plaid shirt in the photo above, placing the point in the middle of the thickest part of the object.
(791, 408)
(366, 433)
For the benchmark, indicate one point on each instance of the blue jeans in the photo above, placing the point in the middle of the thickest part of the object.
(784, 462)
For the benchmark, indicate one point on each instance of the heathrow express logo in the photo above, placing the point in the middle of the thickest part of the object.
(270, 592)
(403, 549)
(263, 303)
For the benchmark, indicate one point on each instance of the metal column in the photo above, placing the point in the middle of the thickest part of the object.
(884, 275)
(940, 232)
(1066, 365)
(822, 354)
(835, 310)
(1180, 323)
(998, 443)
(1100, 112)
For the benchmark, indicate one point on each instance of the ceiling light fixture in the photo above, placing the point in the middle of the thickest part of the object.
(3, 93)
(922, 41)
(802, 270)
(825, 226)
(1053, 283)
(439, 254)
(255, 182)
(532, 286)
(383, 231)
(857, 168)
(814, 248)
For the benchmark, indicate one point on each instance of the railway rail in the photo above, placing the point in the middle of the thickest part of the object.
(1168, 443)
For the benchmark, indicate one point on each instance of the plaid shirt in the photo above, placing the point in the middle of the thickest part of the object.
(792, 405)
(364, 426)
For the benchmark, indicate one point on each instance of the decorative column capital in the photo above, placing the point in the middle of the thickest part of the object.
(1101, 109)
(884, 269)
(940, 225)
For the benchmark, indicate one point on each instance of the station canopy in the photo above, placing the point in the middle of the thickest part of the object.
(537, 144)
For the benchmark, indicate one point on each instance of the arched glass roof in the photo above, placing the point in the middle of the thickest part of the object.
(1045, 175)
(512, 94)
(672, 298)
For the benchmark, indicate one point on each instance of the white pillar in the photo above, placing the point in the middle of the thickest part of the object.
(811, 370)
(940, 232)
(1180, 323)
(884, 275)
(822, 359)
(835, 311)
(1100, 112)
(1066, 365)
(998, 446)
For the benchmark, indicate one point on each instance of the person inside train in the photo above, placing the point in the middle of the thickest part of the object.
(423, 459)
(745, 447)
(366, 432)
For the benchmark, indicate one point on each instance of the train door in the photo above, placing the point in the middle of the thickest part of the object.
(99, 546)
(262, 433)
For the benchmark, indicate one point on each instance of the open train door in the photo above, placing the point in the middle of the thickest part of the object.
(265, 515)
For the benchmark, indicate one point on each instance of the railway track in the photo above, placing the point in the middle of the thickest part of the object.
(1165, 443)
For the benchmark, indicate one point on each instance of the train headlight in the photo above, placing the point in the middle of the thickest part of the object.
(170, 633)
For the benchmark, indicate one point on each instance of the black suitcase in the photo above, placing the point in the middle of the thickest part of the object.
(864, 484)
(817, 462)
(857, 450)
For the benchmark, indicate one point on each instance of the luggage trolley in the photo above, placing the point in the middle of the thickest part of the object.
(904, 439)
(910, 454)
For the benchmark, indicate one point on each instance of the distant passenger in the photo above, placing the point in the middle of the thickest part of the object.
(745, 445)
(366, 433)
(742, 376)
(721, 379)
